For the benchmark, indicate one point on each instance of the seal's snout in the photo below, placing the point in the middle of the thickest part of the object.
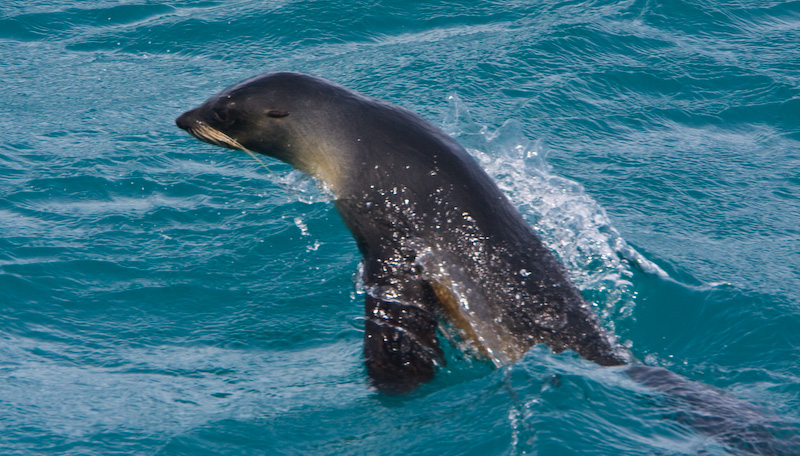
(185, 120)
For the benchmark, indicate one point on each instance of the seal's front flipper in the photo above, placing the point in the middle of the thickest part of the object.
(400, 345)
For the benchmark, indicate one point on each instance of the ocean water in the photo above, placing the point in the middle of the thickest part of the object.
(161, 296)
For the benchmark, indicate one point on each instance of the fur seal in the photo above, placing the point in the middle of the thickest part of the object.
(441, 243)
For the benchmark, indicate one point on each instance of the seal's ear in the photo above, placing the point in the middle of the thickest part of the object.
(277, 113)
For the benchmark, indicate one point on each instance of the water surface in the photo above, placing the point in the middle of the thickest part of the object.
(162, 296)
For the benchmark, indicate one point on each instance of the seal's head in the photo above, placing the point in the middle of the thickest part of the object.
(285, 115)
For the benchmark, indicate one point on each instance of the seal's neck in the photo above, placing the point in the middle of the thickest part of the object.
(324, 162)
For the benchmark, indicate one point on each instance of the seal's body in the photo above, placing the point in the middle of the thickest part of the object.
(440, 240)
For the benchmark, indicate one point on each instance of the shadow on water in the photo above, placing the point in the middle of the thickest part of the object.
(714, 413)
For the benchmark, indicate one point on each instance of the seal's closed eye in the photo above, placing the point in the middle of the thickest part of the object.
(277, 113)
(223, 115)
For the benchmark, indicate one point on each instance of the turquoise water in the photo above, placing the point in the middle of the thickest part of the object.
(162, 296)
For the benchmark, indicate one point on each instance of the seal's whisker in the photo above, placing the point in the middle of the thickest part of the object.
(207, 133)
(258, 159)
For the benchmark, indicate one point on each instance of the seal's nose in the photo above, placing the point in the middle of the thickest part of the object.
(184, 121)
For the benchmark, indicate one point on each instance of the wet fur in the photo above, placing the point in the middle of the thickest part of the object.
(439, 239)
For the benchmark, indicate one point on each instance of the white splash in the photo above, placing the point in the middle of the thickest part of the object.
(305, 188)
(298, 221)
(564, 216)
